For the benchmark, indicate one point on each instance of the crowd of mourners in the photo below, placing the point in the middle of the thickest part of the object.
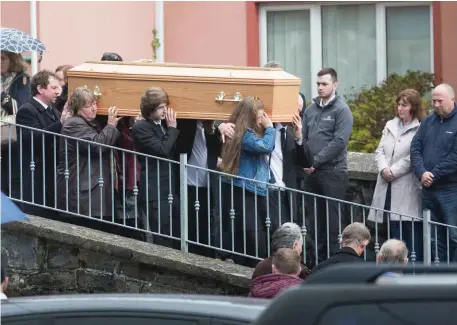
(65, 162)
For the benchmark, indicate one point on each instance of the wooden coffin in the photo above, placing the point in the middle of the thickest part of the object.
(195, 91)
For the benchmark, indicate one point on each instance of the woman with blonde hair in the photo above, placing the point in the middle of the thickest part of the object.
(397, 188)
(245, 155)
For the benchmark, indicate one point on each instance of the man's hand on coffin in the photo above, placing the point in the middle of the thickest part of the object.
(266, 122)
(137, 118)
(208, 125)
(112, 116)
(171, 118)
(226, 130)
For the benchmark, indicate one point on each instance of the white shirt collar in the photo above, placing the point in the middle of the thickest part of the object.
(42, 104)
(321, 103)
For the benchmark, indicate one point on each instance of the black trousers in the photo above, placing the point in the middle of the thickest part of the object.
(331, 183)
(243, 224)
(164, 219)
(200, 220)
(280, 209)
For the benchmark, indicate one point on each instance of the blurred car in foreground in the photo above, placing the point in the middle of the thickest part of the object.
(354, 294)
(127, 309)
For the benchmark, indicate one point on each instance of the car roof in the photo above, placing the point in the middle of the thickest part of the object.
(227, 307)
(350, 284)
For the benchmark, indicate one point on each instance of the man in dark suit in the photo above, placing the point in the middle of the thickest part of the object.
(201, 142)
(39, 155)
(354, 239)
(286, 161)
(156, 135)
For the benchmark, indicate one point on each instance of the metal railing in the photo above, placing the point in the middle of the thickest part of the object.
(149, 198)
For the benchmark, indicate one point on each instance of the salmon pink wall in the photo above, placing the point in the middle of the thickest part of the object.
(205, 32)
(16, 14)
(449, 42)
(75, 32)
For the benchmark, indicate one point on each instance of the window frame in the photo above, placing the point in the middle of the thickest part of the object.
(315, 45)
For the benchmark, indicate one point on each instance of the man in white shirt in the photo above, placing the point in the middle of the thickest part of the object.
(39, 114)
(286, 161)
(201, 141)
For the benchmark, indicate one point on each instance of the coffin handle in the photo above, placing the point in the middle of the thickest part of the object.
(221, 97)
(97, 92)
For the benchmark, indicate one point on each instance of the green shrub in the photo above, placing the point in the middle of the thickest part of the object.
(373, 107)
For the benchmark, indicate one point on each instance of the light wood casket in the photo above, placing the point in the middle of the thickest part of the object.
(195, 91)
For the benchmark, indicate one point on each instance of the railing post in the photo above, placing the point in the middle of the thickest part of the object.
(183, 205)
(427, 239)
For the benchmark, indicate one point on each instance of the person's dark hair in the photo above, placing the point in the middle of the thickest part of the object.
(41, 79)
(17, 63)
(111, 56)
(151, 100)
(329, 71)
(62, 99)
(412, 97)
(79, 99)
(273, 64)
(64, 68)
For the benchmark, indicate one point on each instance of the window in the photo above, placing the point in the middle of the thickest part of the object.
(408, 39)
(363, 42)
(288, 42)
(349, 44)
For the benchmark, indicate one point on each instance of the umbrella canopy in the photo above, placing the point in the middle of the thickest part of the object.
(13, 40)
(9, 212)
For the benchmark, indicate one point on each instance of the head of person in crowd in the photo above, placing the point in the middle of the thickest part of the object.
(111, 56)
(4, 285)
(154, 104)
(61, 74)
(409, 105)
(443, 100)
(286, 261)
(288, 235)
(393, 251)
(83, 103)
(301, 104)
(12, 63)
(273, 64)
(356, 236)
(327, 83)
(248, 114)
(45, 86)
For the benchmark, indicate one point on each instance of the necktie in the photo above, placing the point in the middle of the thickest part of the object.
(283, 138)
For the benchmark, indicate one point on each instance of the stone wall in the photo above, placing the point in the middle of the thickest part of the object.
(49, 257)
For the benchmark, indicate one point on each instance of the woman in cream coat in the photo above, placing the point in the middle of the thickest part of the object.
(397, 188)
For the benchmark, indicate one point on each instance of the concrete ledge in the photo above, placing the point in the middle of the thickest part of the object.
(362, 166)
(133, 250)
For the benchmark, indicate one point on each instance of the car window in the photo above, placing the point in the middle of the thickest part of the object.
(410, 313)
(126, 320)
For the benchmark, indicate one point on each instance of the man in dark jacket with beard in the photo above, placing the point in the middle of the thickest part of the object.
(286, 268)
(327, 126)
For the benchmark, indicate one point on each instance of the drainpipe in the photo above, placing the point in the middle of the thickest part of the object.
(33, 33)
(159, 26)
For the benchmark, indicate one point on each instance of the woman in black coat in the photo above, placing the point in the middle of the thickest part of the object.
(15, 92)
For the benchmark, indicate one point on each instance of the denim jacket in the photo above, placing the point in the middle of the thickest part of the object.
(253, 164)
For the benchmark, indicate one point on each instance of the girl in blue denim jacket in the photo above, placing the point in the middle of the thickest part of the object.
(244, 201)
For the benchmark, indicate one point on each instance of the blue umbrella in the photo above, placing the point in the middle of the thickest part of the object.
(9, 212)
(13, 40)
